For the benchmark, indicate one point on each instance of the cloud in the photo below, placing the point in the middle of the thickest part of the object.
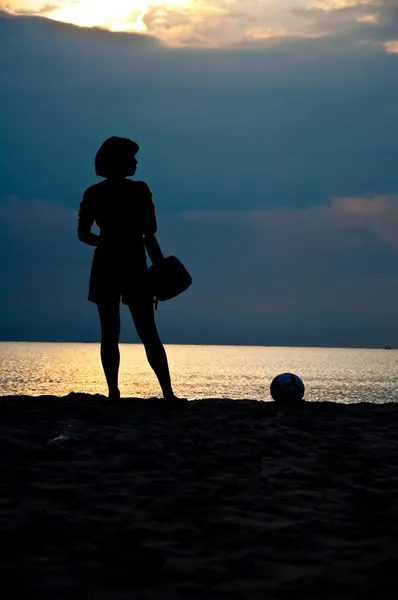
(368, 18)
(363, 21)
(265, 137)
(310, 276)
(316, 274)
(37, 215)
(44, 272)
(41, 234)
(314, 251)
(294, 230)
(378, 216)
(289, 127)
(219, 23)
(391, 46)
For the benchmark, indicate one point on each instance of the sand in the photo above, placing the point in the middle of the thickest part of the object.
(223, 500)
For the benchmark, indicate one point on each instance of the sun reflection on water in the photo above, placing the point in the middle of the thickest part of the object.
(337, 375)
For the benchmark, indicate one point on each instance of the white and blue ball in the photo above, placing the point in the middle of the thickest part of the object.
(287, 388)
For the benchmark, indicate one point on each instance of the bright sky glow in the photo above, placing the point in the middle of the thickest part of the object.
(115, 15)
(391, 47)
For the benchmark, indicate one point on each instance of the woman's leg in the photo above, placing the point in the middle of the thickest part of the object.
(144, 321)
(109, 314)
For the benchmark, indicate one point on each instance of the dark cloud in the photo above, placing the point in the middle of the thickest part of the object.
(246, 153)
(298, 124)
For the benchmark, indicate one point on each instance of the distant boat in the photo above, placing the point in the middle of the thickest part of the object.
(387, 348)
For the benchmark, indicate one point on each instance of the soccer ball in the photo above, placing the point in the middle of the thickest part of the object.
(287, 388)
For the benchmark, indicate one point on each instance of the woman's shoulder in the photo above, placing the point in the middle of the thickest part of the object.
(140, 185)
(93, 190)
(143, 190)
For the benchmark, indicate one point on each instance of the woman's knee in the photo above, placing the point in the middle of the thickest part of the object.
(110, 336)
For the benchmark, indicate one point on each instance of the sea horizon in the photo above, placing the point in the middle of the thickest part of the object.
(236, 345)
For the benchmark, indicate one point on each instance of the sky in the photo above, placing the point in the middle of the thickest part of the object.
(268, 134)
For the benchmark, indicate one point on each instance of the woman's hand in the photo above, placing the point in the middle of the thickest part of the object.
(92, 239)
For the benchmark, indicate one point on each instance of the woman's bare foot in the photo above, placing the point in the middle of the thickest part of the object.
(174, 400)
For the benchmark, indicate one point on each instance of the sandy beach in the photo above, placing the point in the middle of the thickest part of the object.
(224, 499)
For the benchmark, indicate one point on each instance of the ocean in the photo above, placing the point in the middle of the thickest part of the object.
(236, 372)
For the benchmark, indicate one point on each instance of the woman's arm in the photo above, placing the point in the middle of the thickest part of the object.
(85, 222)
(147, 208)
(149, 225)
(153, 248)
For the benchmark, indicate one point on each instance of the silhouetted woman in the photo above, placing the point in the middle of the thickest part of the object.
(125, 214)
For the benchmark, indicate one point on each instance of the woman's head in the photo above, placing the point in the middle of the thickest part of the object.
(116, 158)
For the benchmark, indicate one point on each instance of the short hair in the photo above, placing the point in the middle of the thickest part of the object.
(114, 158)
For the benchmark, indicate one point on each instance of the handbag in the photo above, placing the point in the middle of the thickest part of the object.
(167, 277)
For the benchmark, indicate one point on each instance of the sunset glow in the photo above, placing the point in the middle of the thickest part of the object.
(119, 15)
(391, 47)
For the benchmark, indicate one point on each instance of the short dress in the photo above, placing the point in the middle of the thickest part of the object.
(124, 212)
